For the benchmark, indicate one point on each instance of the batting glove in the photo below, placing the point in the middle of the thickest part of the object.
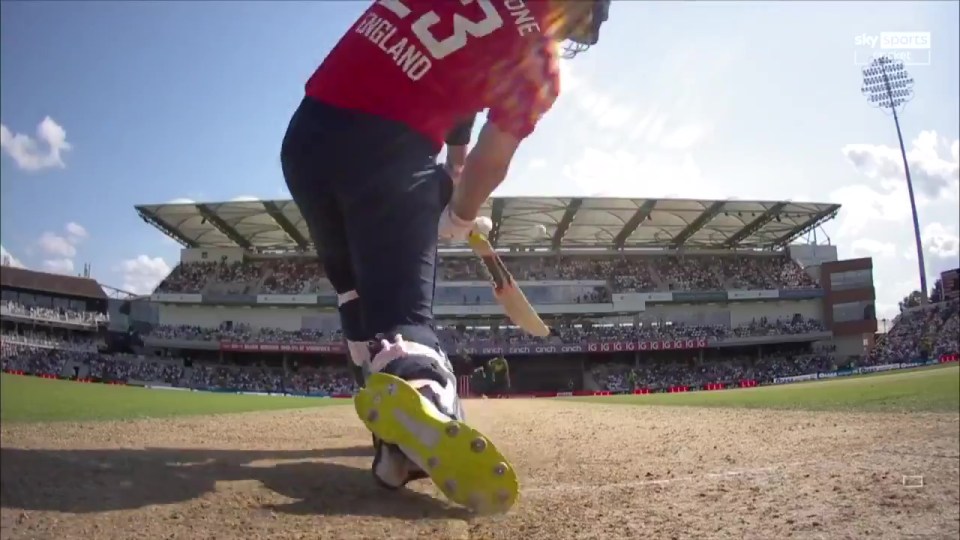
(454, 228)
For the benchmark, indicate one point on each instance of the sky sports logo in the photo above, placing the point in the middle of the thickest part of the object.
(911, 48)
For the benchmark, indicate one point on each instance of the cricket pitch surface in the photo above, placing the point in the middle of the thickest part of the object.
(587, 470)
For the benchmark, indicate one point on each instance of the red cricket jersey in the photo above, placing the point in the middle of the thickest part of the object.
(430, 63)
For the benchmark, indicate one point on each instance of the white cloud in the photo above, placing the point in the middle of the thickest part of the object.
(635, 141)
(885, 198)
(863, 205)
(626, 174)
(58, 266)
(910, 252)
(675, 117)
(940, 240)
(885, 314)
(537, 163)
(142, 274)
(245, 198)
(653, 126)
(868, 247)
(54, 244)
(181, 200)
(6, 258)
(568, 78)
(76, 232)
(29, 154)
(604, 109)
(683, 137)
(933, 176)
(876, 220)
(62, 248)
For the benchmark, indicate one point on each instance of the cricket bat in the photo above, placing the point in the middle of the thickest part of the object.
(506, 290)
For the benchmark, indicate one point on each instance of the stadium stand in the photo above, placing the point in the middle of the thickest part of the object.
(649, 273)
(929, 331)
(641, 295)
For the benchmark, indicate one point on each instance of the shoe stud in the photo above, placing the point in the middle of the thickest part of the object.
(450, 485)
(432, 462)
(503, 496)
(500, 469)
(478, 445)
(453, 430)
(373, 415)
(392, 389)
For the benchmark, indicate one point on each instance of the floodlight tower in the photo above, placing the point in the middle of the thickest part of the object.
(887, 85)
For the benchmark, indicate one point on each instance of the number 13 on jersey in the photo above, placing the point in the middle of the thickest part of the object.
(463, 28)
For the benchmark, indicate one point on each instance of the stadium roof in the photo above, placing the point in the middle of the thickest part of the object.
(43, 282)
(548, 222)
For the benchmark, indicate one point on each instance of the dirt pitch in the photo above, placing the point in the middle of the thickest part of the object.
(588, 471)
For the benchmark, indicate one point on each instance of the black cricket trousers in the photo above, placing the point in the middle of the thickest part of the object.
(371, 194)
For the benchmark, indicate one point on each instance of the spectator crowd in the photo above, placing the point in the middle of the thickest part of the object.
(925, 331)
(241, 332)
(623, 273)
(269, 276)
(123, 368)
(663, 375)
(919, 332)
(52, 314)
(928, 331)
(479, 337)
(50, 340)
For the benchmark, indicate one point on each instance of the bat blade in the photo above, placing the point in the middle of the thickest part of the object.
(508, 293)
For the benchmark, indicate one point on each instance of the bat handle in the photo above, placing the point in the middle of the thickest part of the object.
(477, 241)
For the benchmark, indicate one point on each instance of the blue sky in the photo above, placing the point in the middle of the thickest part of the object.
(151, 102)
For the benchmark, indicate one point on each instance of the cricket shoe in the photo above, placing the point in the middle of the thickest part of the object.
(463, 463)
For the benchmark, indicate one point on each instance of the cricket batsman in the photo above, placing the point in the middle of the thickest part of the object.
(359, 158)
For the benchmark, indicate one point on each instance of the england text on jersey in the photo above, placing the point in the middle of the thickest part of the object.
(411, 60)
(414, 62)
(430, 63)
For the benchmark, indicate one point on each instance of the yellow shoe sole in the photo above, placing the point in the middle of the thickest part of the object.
(460, 460)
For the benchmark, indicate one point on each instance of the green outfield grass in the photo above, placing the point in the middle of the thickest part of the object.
(935, 388)
(30, 399)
